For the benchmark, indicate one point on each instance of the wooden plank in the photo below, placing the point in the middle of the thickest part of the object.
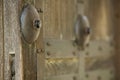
(29, 61)
(51, 19)
(60, 49)
(63, 77)
(59, 16)
(63, 15)
(61, 66)
(1, 41)
(68, 13)
(100, 22)
(81, 6)
(97, 59)
(19, 57)
(29, 55)
(99, 48)
(116, 18)
(40, 44)
(12, 43)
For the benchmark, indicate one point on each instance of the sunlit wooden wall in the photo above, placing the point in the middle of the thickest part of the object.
(99, 13)
(59, 18)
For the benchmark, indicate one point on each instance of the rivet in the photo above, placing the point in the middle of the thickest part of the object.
(99, 78)
(48, 53)
(87, 45)
(111, 44)
(111, 72)
(87, 53)
(39, 10)
(48, 44)
(40, 51)
(73, 53)
(100, 48)
(74, 78)
(86, 75)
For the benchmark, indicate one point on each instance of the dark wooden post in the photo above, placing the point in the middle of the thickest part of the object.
(1, 41)
(116, 8)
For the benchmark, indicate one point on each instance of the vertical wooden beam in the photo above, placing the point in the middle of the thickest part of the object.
(29, 61)
(29, 55)
(1, 41)
(59, 17)
(67, 17)
(99, 15)
(51, 19)
(12, 43)
(116, 7)
(40, 44)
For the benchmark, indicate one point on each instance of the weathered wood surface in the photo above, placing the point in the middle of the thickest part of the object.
(12, 43)
(29, 54)
(29, 61)
(62, 58)
(116, 15)
(59, 17)
(25, 55)
(40, 44)
(99, 15)
(1, 42)
(80, 6)
(60, 49)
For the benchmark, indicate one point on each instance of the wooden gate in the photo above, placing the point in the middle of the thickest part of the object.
(53, 56)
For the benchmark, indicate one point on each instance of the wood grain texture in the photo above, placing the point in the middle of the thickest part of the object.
(29, 55)
(99, 15)
(29, 61)
(116, 15)
(12, 43)
(40, 44)
(1, 42)
(50, 19)
(59, 16)
(68, 13)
